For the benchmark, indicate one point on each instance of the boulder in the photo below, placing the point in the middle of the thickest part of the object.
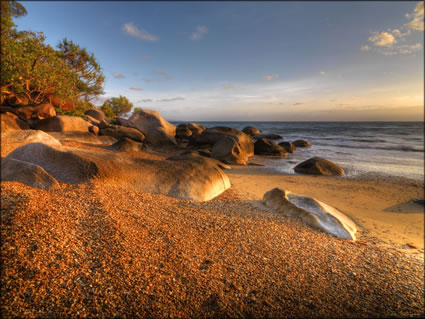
(197, 158)
(301, 143)
(119, 132)
(157, 131)
(211, 135)
(96, 114)
(318, 166)
(187, 179)
(125, 122)
(313, 212)
(11, 122)
(63, 123)
(41, 111)
(126, 144)
(83, 137)
(29, 136)
(183, 131)
(289, 147)
(201, 152)
(27, 173)
(251, 131)
(270, 136)
(94, 129)
(266, 147)
(92, 120)
(105, 124)
(228, 150)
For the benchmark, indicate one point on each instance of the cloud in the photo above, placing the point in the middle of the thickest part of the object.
(136, 89)
(178, 98)
(118, 75)
(322, 73)
(147, 80)
(163, 74)
(397, 33)
(383, 39)
(199, 33)
(403, 49)
(144, 101)
(145, 57)
(141, 34)
(365, 47)
(271, 77)
(227, 86)
(417, 22)
(298, 103)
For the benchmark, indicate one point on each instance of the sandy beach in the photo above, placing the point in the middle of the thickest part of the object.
(97, 249)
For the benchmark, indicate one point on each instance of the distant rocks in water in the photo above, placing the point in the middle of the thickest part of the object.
(157, 131)
(269, 136)
(301, 143)
(119, 132)
(198, 180)
(313, 212)
(289, 147)
(62, 123)
(228, 150)
(27, 173)
(251, 131)
(318, 166)
(11, 122)
(126, 144)
(97, 114)
(264, 146)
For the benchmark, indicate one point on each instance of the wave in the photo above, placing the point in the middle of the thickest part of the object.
(405, 148)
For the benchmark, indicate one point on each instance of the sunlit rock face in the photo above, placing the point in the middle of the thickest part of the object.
(313, 212)
(188, 179)
(29, 136)
(63, 123)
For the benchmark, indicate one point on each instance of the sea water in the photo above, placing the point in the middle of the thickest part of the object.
(361, 148)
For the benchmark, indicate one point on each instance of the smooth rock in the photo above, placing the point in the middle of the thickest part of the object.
(266, 147)
(27, 173)
(63, 123)
(270, 136)
(29, 136)
(319, 166)
(42, 111)
(97, 114)
(313, 212)
(11, 122)
(194, 180)
(251, 131)
(197, 158)
(94, 129)
(229, 151)
(83, 137)
(301, 143)
(119, 132)
(157, 131)
(126, 144)
(289, 147)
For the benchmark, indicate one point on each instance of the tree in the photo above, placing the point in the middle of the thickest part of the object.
(9, 10)
(84, 64)
(137, 109)
(119, 105)
(106, 108)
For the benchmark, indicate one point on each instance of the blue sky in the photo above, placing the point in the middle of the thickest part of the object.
(250, 60)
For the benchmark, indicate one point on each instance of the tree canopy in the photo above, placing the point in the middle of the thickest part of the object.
(119, 105)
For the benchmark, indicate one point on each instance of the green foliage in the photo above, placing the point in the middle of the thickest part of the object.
(137, 109)
(9, 10)
(119, 105)
(106, 108)
(90, 77)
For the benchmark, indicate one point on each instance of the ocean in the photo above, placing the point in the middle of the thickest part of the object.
(361, 148)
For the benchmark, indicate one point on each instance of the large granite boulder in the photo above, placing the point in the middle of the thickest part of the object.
(266, 147)
(27, 173)
(83, 137)
(11, 122)
(126, 144)
(186, 130)
(318, 166)
(63, 123)
(212, 135)
(197, 158)
(96, 114)
(184, 179)
(41, 111)
(289, 147)
(119, 132)
(313, 212)
(251, 131)
(229, 151)
(301, 143)
(269, 136)
(157, 131)
(29, 136)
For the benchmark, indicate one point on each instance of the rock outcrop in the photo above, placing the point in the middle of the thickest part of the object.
(126, 144)
(318, 166)
(289, 147)
(266, 147)
(157, 131)
(83, 137)
(269, 136)
(27, 173)
(119, 132)
(184, 179)
(63, 123)
(251, 131)
(41, 111)
(301, 143)
(11, 122)
(313, 212)
(229, 151)
(97, 114)
(29, 136)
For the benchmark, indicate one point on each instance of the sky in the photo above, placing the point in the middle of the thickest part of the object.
(250, 61)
